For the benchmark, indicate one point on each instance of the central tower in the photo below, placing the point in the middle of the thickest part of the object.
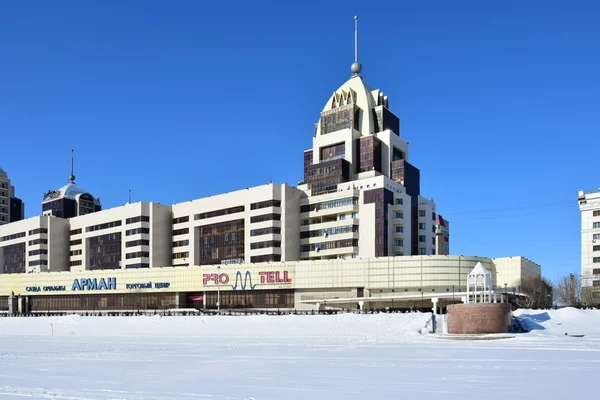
(359, 159)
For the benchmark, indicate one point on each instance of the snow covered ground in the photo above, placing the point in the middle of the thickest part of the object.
(380, 356)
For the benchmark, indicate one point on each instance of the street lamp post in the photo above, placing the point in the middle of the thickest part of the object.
(218, 289)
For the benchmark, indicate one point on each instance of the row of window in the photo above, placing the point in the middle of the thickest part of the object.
(36, 231)
(12, 237)
(266, 258)
(349, 201)
(265, 217)
(263, 245)
(265, 231)
(38, 252)
(596, 213)
(182, 231)
(181, 243)
(75, 232)
(140, 242)
(400, 242)
(596, 236)
(184, 254)
(265, 204)
(596, 259)
(218, 213)
(398, 202)
(38, 241)
(75, 242)
(137, 254)
(136, 231)
(338, 230)
(100, 227)
(329, 245)
(38, 262)
(181, 220)
(141, 218)
(138, 265)
(596, 225)
(76, 252)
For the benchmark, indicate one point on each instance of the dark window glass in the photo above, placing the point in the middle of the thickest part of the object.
(182, 231)
(218, 213)
(337, 119)
(181, 220)
(75, 232)
(181, 243)
(266, 258)
(141, 242)
(266, 217)
(329, 245)
(137, 231)
(75, 242)
(141, 218)
(13, 259)
(38, 241)
(38, 231)
(12, 237)
(104, 251)
(100, 302)
(137, 254)
(221, 243)
(103, 226)
(265, 231)
(264, 204)
(38, 252)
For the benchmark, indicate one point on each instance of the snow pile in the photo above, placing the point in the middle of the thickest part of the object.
(344, 328)
(569, 321)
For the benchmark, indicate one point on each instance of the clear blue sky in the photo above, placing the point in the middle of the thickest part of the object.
(178, 100)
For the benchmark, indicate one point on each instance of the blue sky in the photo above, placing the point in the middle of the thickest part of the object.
(184, 99)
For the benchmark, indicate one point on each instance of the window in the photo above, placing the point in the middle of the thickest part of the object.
(421, 213)
(433, 241)
(75, 242)
(12, 237)
(38, 241)
(183, 231)
(137, 231)
(141, 218)
(181, 243)
(596, 283)
(422, 252)
(75, 263)
(422, 225)
(181, 220)
(348, 201)
(596, 213)
(422, 238)
(596, 271)
(596, 225)
(218, 213)
(433, 216)
(338, 230)
(264, 204)
(266, 217)
(137, 254)
(38, 262)
(399, 242)
(399, 215)
(75, 232)
(596, 259)
(141, 242)
(183, 254)
(266, 231)
(596, 236)
(400, 229)
(596, 248)
(39, 230)
(38, 252)
(266, 258)
(103, 226)
(75, 252)
(329, 245)
(263, 245)
(399, 202)
(139, 265)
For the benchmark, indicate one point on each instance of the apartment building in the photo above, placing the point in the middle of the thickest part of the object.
(12, 208)
(589, 206)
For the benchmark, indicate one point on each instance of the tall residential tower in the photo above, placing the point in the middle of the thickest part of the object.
(11, 208)
(589, 205)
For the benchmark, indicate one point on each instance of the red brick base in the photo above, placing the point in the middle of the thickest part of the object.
(478, 318)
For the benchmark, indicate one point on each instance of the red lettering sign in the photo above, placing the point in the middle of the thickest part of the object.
(274, 277)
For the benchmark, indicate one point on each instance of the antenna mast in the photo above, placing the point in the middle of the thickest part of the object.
(356, 67)
(72, 176)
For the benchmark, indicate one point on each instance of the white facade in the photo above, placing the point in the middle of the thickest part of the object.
(38, 244)
(589, 205)
(246, 226)
(134, 235)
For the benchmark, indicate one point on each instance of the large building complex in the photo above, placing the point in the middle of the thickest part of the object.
(589, 205)
(356, 231)
(11, 208)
